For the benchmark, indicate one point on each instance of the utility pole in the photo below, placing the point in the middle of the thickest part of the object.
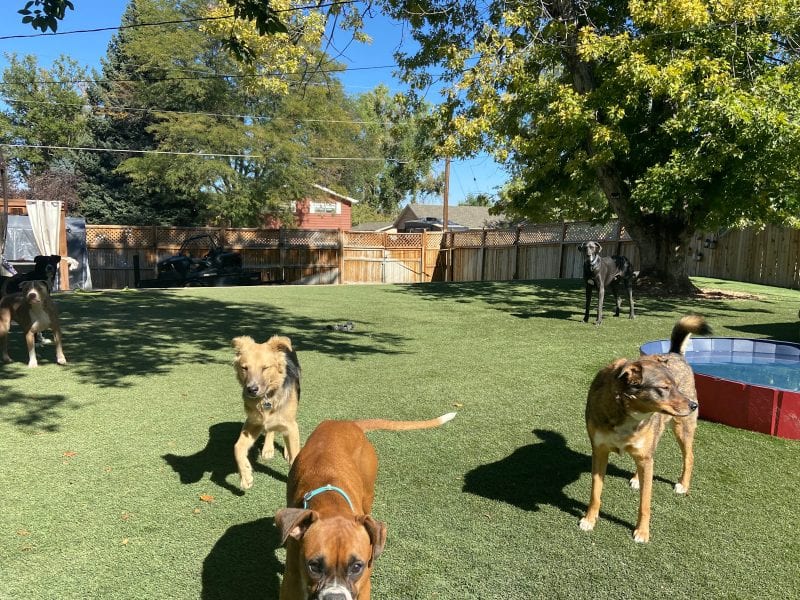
(446, 196)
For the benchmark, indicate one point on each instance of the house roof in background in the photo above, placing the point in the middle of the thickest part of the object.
(373, 226)
(336, 195)
(474, 217)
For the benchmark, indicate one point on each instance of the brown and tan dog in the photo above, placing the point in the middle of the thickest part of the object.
(35, 311)
(628, 407)
(331, 538)
(269, 374)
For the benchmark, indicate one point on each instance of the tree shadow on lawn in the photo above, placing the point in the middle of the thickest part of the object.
(564, 299)
(217, 458)
(242, 565)
(110, 337)
(523, 299)
(789, 332)
(537, 474)
(35, 411)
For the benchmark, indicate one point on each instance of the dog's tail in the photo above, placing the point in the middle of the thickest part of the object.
(386, 424)
(688, 325)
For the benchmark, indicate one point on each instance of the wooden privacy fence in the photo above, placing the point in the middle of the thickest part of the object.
(547, 251)
(328, 256)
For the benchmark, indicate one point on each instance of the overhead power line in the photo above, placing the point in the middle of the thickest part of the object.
(145, 79)
(102, 108)
(196, 154)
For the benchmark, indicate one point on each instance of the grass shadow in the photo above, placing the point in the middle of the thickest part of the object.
(217, 459)
(34, 411)
(149, 332)
(242, 565)
(537, 475)
(563, 299)
(788, 332)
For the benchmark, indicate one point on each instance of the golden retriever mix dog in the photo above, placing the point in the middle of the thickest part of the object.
(269, 374)
(35, 311)
(629, 405)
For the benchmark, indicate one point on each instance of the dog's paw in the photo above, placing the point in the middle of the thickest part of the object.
(586, 524)
(33, 364)
(7, 359)
(634, 483)
(246, 481)
(61, 361)
(679, 489)
(267, 452)
(641, 536)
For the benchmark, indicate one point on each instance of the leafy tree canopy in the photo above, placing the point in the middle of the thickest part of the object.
(672, 114)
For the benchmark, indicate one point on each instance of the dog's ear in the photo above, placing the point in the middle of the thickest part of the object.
(599, 247)
(581, 247)
(280, 343)
(294, 522)
(630, 373)
(241, 342)
(25, 286)
(377, 535)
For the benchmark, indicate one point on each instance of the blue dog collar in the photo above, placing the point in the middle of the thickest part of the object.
(327, 488)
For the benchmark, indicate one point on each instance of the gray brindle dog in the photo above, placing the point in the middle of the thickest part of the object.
(601, 272)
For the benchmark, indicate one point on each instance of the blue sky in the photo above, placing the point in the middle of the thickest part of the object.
(478, 175)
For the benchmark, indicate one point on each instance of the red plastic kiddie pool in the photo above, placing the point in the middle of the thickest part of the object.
(747, 383)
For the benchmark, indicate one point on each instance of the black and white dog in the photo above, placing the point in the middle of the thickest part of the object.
(603, 271)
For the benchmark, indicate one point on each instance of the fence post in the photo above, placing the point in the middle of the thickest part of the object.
(515, 276)
(340, 279)
(422, 273)
(483, 255)
(561, 250)
(155, 250)
(282, 252)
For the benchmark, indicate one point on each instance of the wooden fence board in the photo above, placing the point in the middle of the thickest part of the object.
(770, 256)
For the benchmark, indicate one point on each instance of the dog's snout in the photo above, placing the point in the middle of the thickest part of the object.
(335, 596)
(692, 406)
(252, 389)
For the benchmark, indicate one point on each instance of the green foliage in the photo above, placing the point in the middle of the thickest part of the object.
(44, 108)
(683, 114)
(48, 16)
(395, 128)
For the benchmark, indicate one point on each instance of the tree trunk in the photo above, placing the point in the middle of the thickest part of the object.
(663, 246)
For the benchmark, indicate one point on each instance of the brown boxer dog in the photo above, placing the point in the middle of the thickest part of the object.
(331, 538)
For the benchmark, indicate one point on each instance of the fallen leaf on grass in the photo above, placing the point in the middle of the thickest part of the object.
(70, 453)
(457, 404)
(206, 497)
(23, 532)
(196, 511)
(124, 541)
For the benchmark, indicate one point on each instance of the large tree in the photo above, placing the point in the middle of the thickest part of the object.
(683, 114)
(43, 114)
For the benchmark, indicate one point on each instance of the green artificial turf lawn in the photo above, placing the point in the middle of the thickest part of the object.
(117, 477)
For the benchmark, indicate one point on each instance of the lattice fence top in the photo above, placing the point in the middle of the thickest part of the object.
(403, 240)
(500, 237)
(467, 239)
(252, 238)
(433, 240)
(541, 234)
(583, 232)
(363, 239)
(313, 238)
(118, 236)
